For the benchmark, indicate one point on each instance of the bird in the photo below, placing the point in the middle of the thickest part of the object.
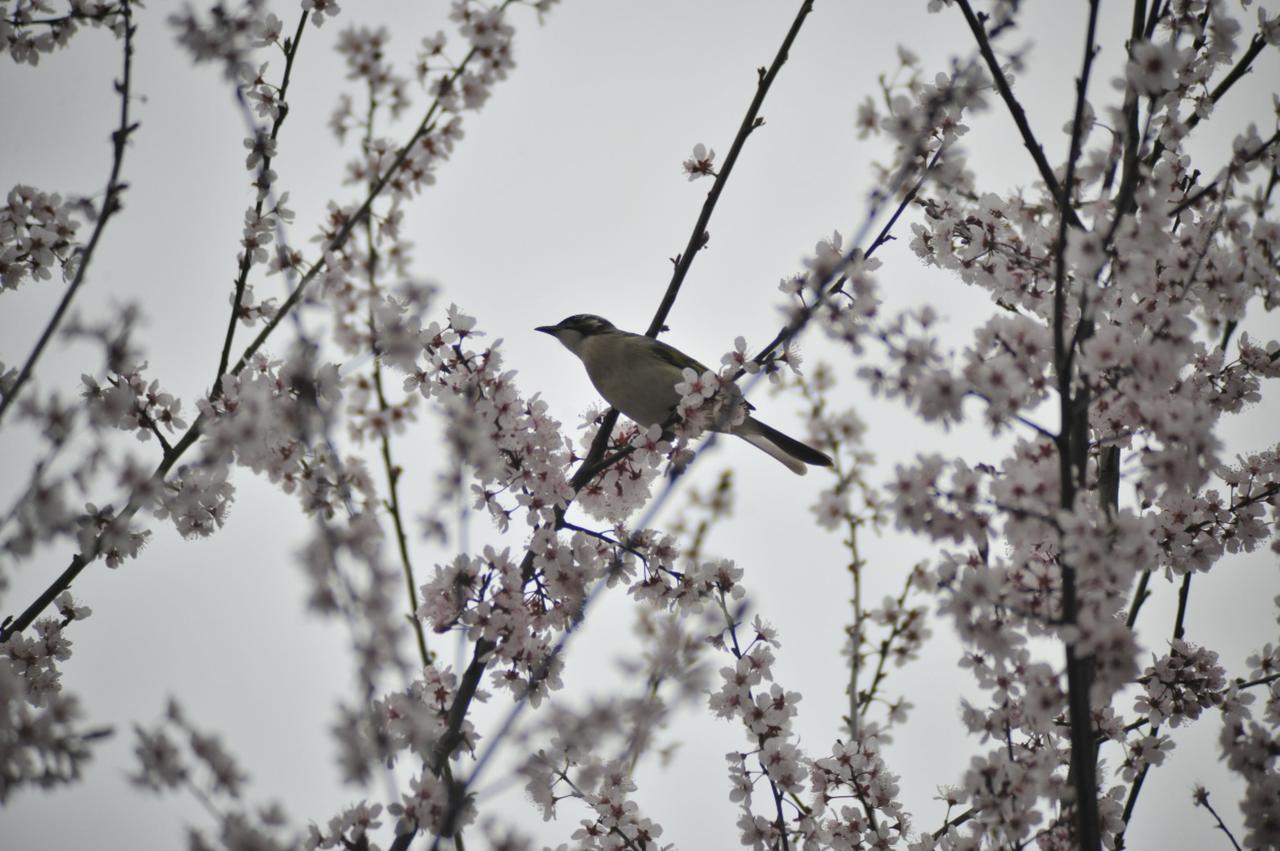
(637, 375)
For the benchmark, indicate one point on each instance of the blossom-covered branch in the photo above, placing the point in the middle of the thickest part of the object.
(12, 269)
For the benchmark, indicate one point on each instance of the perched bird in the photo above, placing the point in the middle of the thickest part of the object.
(638, 376)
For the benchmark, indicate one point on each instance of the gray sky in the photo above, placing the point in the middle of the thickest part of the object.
(566, 196)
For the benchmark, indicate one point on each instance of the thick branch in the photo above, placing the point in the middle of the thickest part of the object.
(1129, 172)
(1079, 669)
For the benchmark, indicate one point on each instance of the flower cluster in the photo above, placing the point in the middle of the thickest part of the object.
(588, 751)
(1181, 685)
(946, 501)
(915, 370)
(225, 35)
(626, 484)
(413, 723)
(1252, 749)
(37, 235)
(748, 695)
(208, 769)
(102, 532)
(349, 827)
(618, 822)
(1194, 531)
(709, 401)
(271, 419)
(41, 740)
(855, 771)
(127, 402)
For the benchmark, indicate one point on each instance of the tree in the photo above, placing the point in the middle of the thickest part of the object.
(1117, 300)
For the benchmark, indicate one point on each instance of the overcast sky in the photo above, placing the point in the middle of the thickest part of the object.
(566, 196)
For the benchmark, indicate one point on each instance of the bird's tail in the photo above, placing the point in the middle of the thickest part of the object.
(788, 450)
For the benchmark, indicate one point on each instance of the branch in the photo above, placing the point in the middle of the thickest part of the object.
(750, 122)
(1233, 76)
(1212, 189)
(95, 16)
(110, 206)
(958, 820)
(1079, 670)
(1201, 798)
(827, 287)
(1129, 173)
(1157, 12)
(1260, 681)
(1136, 788)
(1018, 114)
(246, 259)
(1256, 45)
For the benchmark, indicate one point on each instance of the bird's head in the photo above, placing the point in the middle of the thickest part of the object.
(574, 329)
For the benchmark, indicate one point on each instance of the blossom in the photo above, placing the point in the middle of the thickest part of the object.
(37, 231)
(1152, 68)
(701, 163)
(321, 10)
(868, 119)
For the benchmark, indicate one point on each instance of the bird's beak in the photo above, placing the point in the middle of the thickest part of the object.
(547, 329)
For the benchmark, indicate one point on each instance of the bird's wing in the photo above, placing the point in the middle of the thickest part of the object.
(678, 359)
(675, 357)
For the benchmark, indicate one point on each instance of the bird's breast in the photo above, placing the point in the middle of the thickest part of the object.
(632, 378)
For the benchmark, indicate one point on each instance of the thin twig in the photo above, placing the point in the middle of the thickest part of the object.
(1140, 595)
(601, 536)
(1136, 788)
(750, 122)
(392, 470)
(1260, 681)
(867, 696)
(958, 820)
(827, 287)
(1131, 801)
(1211, 189)
(1201, 798)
